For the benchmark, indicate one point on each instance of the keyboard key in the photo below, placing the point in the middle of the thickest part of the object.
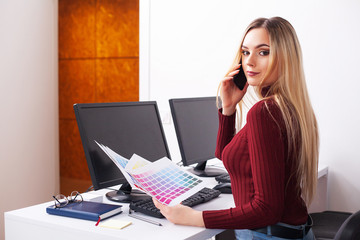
(147, 206)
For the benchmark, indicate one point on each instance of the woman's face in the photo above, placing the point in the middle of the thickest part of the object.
(255, 57)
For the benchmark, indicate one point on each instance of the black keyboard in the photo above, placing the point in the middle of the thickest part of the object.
(224, 178)
(147, 206)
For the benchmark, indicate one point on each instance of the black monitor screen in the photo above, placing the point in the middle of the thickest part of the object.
(196, 125)
(126, 128)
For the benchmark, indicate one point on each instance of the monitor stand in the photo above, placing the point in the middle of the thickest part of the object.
(202, 171)
(126, 195)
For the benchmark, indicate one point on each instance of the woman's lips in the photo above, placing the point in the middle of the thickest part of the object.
(252, 74)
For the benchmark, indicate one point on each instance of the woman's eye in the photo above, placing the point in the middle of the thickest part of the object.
(245, 53)
(264, 53)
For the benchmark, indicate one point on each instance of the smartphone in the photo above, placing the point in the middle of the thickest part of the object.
(240, 79)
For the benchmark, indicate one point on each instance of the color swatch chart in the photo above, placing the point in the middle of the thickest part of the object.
(167, 182)
(162, 179)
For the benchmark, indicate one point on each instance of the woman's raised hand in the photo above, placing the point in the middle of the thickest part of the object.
(230, 93)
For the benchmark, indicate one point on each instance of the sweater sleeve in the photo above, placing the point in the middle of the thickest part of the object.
(226, 132)
(266, 153)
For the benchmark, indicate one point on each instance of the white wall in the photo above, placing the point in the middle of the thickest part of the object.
(187, 46)
(29, 171)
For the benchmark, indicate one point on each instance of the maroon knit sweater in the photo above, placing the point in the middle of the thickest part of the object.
(262, 177)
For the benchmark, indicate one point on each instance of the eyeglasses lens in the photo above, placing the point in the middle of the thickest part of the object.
(61, 201)
(75, 197)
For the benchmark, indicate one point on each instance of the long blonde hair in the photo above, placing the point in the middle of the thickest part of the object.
(291, 95)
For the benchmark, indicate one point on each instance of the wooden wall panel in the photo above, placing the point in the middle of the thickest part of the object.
(117, 28)
(76, 85)
(73, 164)
(98, 62)
(76, 28)
(117, 80)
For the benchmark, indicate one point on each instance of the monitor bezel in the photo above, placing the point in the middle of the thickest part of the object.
(85, 140)
(179, 136)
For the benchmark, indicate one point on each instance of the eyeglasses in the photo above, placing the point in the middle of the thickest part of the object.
(61, 200)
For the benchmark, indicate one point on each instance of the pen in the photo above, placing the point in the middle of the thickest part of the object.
(144, 219)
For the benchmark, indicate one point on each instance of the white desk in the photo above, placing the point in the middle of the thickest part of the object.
(34, 223)
(320, 202)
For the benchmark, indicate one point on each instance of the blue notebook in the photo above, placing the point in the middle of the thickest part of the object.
(86, 210)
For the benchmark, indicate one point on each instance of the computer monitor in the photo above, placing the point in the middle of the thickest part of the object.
(126, 128)
(196, 125)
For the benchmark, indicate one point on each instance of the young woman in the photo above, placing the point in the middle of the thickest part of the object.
(272, 161)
